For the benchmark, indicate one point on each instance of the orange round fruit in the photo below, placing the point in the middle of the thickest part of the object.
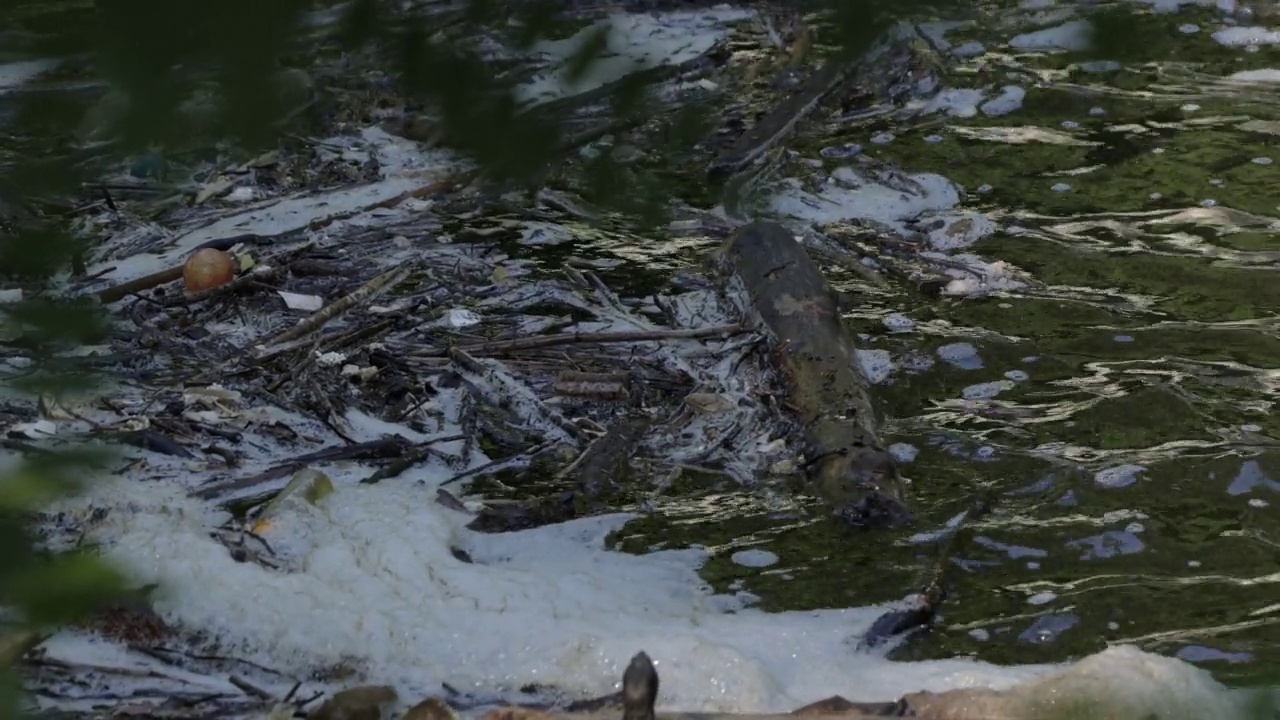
(208, 268)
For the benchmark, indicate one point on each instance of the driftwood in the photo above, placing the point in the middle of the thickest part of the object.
(786, 294)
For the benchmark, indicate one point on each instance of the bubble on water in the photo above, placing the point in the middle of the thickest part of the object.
(1042, 598)
(1033, 565)
(1016, 375)
(1193, 563)
(1097, 111)
(899, 323)
(840, 152)
(1047, 629)
(903, 452)
(986, 390)
(984, 188)
(1250, 476)
(1188, 28)
(1030, 358)
(1155, 196)
(754, 558)
(979, 634)
(1258, 503)
(882, 138)
(1261, 161)
(1208, 202)
(986, 452)
(1217, 182)
(1190, 107)
(1108, 544)
(1113, 626)
(1009, 100)
(1135, 527)
(960, 355)
(1060, 187)
(1119, 476)
(1070, 124)
(1250, 427)
(933, 138)
(1123, 338)
(1157, 151)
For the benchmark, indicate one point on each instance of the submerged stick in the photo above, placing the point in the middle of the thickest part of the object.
(785, 293)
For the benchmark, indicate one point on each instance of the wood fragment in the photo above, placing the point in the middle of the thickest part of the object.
(498, 347)
(116, 293)
(787, 296)
(604, 386)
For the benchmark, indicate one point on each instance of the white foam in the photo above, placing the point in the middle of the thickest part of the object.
(370, 576)
(633, 42)
(956, 102)
(1244, 36)
(876, 365)
(403, 167)
(1120, 683)
(1071, 35)
(863, 200)
(1261, 75)
(1119, 476)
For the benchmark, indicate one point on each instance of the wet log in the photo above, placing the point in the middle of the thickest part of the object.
(784, 294)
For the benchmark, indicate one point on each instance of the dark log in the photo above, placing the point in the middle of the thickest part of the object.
(784, 293)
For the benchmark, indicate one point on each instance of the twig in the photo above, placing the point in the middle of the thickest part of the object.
(137, 285)
(249, 688)
(497, 347)
(495, 464)
(374, 449)
(322, 316)
(412, 457)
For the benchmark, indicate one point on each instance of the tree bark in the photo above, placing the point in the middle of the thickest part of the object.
(784, 293)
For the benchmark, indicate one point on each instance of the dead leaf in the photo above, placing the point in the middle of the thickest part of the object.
(313, 485)
(358, 703)
(217, 188)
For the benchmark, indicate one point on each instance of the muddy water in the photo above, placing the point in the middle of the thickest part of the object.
(1119, 408)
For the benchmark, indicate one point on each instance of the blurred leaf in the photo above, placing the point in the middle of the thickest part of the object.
(62, 589)
(590, 50)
